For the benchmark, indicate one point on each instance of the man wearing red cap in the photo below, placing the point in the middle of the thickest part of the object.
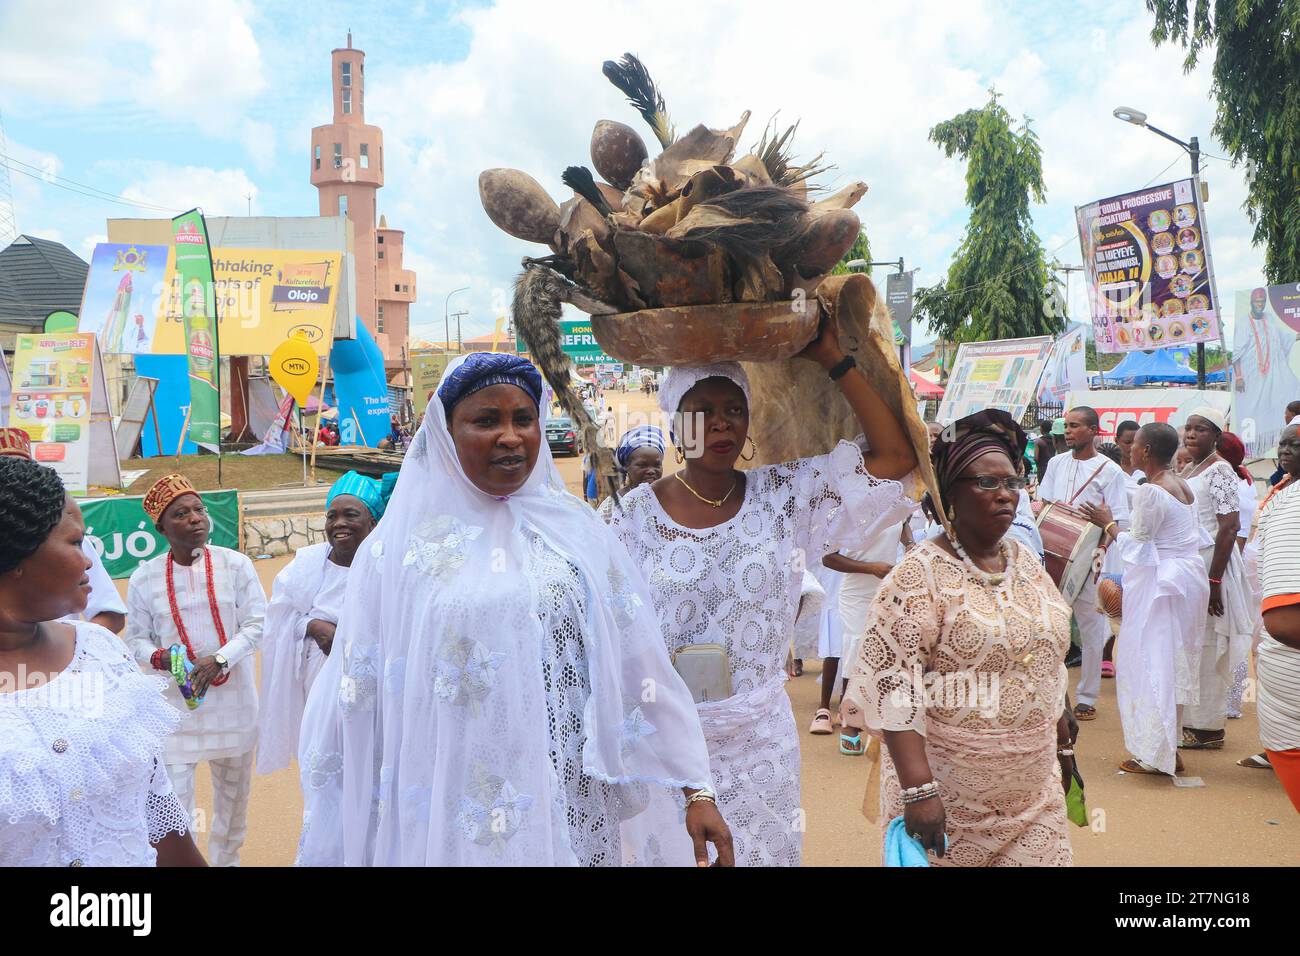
(209, 601)
(105, 606)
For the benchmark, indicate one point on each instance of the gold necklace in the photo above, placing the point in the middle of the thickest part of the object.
(708, 501)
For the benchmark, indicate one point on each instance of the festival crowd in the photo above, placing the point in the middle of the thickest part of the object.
(478, 668)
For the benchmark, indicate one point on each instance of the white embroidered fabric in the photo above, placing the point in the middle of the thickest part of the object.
(1217, 491)
(1157, 663)
(82, 779)
(496, 673)
(739, 584)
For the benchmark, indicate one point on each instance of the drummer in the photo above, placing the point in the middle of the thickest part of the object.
(1084, 477)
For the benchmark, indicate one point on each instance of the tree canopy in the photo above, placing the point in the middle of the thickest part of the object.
(999, 276)
(861, 249)
(1256, 83)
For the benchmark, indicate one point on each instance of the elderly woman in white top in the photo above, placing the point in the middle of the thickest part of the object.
(725, 550)
(499, 693)
(306, 602)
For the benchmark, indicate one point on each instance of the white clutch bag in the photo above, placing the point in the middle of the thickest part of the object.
(706, 671)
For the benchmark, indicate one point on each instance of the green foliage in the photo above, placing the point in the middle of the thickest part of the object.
(999, 277)
(861, 249)
(1256, 74)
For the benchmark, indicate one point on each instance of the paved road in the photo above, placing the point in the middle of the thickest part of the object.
(1239, 817)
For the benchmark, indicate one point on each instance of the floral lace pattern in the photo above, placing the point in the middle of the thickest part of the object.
(82, 779)
(437, 547)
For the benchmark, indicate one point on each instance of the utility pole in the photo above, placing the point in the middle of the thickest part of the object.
(460, 345)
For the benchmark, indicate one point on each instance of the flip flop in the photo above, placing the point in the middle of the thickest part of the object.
(1133, 765)
(1192, 742)
(852, 746)
(1085, 712)
(1107, 669)
(1255, 762)
(821, 723)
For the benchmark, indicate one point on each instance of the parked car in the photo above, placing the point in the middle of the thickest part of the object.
(560, 435)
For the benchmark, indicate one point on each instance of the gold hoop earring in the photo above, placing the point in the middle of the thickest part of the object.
(680, 457)
(952, 517)
(754, 450)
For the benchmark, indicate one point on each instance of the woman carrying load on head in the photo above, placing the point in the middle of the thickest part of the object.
(498, 693)
(725, 551)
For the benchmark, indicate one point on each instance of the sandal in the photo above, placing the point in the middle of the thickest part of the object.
(1256, 762)
(852, 746)
(1133, 765)
(821, 723)
(1107, 669)
(1192, 742)
(1085, 712)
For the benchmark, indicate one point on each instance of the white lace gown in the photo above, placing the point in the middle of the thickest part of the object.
(1226, 638)
(738, 584)
(1165, 595)
(82, 779)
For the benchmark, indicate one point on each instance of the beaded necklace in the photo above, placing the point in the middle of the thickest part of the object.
(212, 605)
(991, 577)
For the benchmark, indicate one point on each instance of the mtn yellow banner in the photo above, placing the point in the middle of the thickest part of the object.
(264, 296)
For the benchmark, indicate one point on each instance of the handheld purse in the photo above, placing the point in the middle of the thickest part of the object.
(706, 671)
(1076, 808)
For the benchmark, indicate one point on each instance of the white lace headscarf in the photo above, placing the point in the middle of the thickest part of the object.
(426, 737)
(681, 379)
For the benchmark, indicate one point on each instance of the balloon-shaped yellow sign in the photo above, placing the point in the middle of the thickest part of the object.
(294, 366)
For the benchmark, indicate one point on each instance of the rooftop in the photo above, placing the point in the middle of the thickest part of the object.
(39, 276)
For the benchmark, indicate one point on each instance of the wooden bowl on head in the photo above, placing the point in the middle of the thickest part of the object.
(704, 334)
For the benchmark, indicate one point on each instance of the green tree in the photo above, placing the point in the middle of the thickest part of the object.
(861, 249)
(999, 277)
(1257, 85)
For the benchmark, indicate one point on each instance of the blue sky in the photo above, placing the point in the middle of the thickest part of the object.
(180, 104)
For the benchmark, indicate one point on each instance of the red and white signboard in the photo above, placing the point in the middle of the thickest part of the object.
(1146, 405)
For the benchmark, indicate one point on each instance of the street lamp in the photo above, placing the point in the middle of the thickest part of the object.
(446, 318)
(1135, 116)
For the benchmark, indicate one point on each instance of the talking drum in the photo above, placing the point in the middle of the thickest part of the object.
(1069, 542)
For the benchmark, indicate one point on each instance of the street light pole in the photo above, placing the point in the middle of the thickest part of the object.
(446, 320)
(1138, 118)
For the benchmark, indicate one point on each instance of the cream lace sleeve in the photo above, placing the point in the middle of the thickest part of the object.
(1224, 489)
(886, 681)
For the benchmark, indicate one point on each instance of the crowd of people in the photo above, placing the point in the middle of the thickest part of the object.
(476, 667)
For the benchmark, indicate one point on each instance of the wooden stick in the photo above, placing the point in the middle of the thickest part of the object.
(324, 377)
(361, 436)
(184, 425)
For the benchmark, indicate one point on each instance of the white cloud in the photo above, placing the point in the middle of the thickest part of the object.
(218, 192)
(193, 63)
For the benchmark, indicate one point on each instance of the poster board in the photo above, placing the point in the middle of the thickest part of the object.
(1265, 364)
(1147, 265)
(426, 372)
(1001, 374)
(139, 406)
(60, 399)
(1065, 370)
(122, 301)
(6, 387)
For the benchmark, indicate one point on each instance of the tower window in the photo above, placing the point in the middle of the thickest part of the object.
(365, 156)
(381, 253)
(347, 101)
(318, 155)
(347, 75)
(379, 325)
(343, 204)
(338, 155)
(380, 239)
(397, 288)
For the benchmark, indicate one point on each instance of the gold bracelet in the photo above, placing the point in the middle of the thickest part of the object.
(701, 795)
(1113, 524)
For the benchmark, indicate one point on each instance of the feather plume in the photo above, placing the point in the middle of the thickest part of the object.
(633, 80)
(580, 180)
(776, 152)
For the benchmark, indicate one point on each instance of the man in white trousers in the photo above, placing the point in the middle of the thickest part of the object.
(1085, 477)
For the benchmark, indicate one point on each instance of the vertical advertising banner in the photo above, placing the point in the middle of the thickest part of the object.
(51, 400)
(898, 296)
(1265, 364)
(1002, 374)
(199, 314)
(1150, 277)
(426, 372)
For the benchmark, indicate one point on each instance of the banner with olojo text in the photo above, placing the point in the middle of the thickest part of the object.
(124, 537)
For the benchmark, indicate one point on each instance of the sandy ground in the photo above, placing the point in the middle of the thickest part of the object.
(1239, 817)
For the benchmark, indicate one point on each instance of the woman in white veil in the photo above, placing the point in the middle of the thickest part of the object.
(500, 693)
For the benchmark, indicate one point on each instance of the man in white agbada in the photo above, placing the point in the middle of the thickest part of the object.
(208, 600)
(306, 603)
(499, 693)
(1087, 478)
(724, 552)
(1165, 596)
(1262, 370)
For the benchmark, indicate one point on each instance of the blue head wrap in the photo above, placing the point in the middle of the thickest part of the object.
(373, 492)
(481, 369)
(643, 436)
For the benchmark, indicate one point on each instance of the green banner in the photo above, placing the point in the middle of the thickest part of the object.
(194, 273)
(125, 537)
(578, 342)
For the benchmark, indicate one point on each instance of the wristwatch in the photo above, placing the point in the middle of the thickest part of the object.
(221, 662)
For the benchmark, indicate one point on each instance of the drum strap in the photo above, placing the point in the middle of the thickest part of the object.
(1100, 467)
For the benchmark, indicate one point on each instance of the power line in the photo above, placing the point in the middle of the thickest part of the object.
(81, 189)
